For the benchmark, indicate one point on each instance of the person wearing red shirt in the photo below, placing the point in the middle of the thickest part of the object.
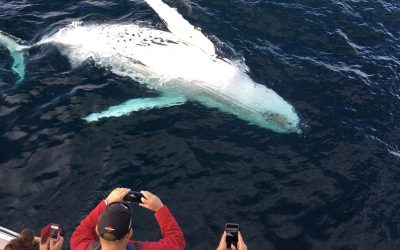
(111, 220)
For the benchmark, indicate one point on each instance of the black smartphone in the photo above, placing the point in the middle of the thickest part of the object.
(55, 231)
(231, 230)
(133, 196)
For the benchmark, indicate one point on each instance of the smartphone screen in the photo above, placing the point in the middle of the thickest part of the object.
(232, 230)
(133, 196)
(54, 232)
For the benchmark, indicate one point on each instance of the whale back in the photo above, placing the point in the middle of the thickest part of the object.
(140, 52)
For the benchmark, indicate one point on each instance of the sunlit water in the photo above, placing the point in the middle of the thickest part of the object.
(335, 186)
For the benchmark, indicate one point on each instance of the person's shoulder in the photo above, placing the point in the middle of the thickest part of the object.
(8, 247)
(14, 244)
(136, 245)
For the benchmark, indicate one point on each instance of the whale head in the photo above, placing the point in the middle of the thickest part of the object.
(265, 108)
(254, 103)
(282, 121)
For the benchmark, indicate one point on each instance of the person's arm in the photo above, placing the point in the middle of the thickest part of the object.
(85, 232)
(173, 238)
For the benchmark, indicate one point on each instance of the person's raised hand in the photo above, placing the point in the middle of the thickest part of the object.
(222, 243)
(45, 246)
(151, 201)
(240, 245)
(56, 244)
(117, 195)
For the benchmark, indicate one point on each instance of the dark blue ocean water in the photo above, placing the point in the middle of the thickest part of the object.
(335, 186)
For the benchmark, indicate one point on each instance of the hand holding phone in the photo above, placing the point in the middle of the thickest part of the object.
(55, 231)
(52, 230)
(150, 201)
(231, 230)
(225, 238)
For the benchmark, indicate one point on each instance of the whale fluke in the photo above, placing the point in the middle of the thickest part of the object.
(17, 53)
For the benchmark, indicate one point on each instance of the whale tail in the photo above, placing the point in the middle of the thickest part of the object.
(17, 52)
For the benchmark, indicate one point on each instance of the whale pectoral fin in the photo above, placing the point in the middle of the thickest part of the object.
(181, 28)
(137, 105)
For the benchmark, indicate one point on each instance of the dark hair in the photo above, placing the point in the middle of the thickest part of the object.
(23, 242)
(27, 235)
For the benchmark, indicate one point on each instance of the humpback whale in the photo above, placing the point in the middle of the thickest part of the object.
(181, 63)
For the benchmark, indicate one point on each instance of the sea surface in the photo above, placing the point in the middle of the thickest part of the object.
(334, 186)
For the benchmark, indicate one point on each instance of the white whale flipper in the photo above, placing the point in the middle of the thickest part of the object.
(181, 28)
(137, 105)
